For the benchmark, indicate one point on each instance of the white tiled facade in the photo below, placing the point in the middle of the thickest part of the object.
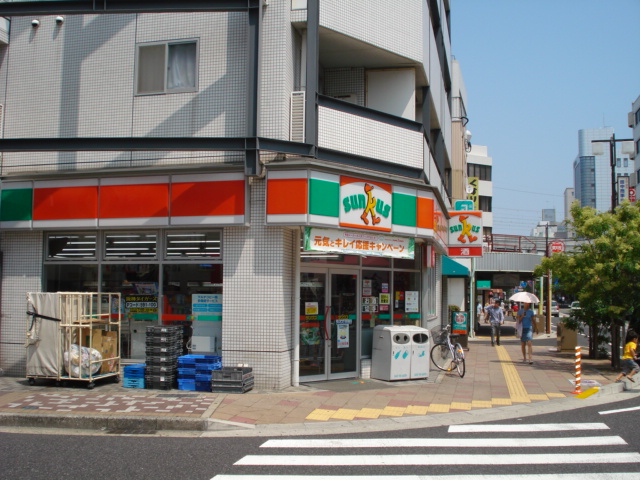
(77, 80)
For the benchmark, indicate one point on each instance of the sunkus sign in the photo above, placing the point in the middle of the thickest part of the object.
(365, 204)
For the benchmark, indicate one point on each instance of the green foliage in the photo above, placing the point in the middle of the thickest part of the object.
(604, 270)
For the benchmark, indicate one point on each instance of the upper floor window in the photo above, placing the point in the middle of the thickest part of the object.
(167, 67)
(483, 172)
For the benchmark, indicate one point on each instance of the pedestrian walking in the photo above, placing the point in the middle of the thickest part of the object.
(496, 318)
(515, 309)
(479, 311)
(525, 320)
(629, 357)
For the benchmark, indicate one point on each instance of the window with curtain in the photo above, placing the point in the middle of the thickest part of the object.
(168, 67)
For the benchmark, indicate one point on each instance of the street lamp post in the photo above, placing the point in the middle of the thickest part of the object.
(612, 161)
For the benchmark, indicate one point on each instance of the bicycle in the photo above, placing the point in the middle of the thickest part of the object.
(446, 355)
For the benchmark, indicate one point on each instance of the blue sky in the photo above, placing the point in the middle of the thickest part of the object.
(536, 72)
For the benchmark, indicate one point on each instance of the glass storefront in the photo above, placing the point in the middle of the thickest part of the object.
(380, 291)
(173, 278)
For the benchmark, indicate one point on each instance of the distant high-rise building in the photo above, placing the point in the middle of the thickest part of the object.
(634, 123)
(592, 173)
(569, 198)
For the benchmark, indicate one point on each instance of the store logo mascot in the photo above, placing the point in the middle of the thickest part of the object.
(370, 208)
(466, 231)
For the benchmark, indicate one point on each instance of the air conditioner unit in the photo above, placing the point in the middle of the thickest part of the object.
(296, 128)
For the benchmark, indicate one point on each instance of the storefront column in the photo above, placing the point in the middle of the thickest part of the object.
(258, 298)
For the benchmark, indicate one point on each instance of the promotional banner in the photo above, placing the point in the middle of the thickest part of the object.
(349, 242)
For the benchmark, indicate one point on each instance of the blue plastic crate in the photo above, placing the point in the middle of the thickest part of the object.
(186, 376)
(193, 385)
(203, 377)
(133, 382)
(186, 371)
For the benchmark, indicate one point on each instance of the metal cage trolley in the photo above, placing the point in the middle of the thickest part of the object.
(73, 336)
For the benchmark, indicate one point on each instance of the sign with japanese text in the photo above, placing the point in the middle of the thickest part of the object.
(365, 205)
(465, 234)
(141, 303)
(472, 192)
(459, 323)
(360, 243)
(623, 188)
(632, 194)
(207, 306)
(556, 247)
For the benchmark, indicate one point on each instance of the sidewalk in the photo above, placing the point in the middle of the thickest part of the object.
(496, 378)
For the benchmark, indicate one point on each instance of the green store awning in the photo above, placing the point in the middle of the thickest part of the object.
(451, 268)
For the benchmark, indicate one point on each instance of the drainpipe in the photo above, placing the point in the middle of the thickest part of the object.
(295, 371)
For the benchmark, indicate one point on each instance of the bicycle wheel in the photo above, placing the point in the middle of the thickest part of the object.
(459, 353)
(442, 357)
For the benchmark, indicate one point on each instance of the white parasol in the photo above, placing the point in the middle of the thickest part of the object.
(524, 297)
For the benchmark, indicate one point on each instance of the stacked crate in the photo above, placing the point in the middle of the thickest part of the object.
(134, 376)
(232, 380)
(164, 345)
(194, 371)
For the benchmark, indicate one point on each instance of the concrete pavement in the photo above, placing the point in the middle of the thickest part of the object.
(497, 385)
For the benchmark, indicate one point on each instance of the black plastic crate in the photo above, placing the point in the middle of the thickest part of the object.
(163, 329)
(231, 388)
(158, 350)
(232, 374)
(161, 369)
(161, 360)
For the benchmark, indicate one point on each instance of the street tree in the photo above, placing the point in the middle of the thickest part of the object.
(602, 271)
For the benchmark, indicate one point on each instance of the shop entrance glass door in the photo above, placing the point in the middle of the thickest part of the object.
(328, 325)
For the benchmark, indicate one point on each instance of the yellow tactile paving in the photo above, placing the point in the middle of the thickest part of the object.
(438, 408)
(321, 414)
(417, 410)
(369, 413)
(393, 411)
(538, 397)
(517, 392)
(346, 414)
(501, 401)
(460, 406)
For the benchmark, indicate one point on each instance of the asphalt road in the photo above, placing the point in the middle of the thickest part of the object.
(598, 442)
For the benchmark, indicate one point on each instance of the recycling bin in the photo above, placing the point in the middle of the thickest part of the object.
(420, 348)
(391, 354)
(400, 352)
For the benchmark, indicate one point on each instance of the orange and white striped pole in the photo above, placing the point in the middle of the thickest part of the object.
(578, 371)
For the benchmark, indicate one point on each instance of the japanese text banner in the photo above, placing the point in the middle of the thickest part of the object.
(359, 243)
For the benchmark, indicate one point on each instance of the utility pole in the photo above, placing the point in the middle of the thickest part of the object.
(546, 254)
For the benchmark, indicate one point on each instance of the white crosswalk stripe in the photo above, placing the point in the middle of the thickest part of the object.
(320, 455)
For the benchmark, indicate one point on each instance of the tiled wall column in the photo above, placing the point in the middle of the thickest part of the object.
(21, 273)
(258, 296)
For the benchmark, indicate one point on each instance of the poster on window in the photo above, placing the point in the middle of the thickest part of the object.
(412, 303)
(311, 308)
(343, 334)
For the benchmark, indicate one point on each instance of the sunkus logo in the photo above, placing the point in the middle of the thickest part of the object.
(365, 205)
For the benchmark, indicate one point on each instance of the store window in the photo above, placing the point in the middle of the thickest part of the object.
(71, 246)
(192, 245)
(141, 245)
(169, 277)
(376, 304)
(167, 67)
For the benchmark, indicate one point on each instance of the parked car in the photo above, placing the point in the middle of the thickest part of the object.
(575, 306)
(555, 308)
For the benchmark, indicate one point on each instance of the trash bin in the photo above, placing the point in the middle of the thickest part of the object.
(391, 354)
(567, 338)
(420, 348)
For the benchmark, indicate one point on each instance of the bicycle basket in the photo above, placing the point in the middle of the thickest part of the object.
(439, 335)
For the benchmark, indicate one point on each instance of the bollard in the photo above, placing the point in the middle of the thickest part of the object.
(578, 371)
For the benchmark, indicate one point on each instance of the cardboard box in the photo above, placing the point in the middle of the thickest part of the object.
(109, 350)
(91, 338)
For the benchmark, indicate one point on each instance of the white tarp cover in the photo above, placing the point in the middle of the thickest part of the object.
(44, 352)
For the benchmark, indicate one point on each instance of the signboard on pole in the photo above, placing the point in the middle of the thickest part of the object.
(556, 247)
(632, 194)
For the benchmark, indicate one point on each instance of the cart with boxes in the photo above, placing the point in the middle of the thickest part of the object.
(73, 336)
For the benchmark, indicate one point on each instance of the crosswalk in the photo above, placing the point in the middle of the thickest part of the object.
(560, 451)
